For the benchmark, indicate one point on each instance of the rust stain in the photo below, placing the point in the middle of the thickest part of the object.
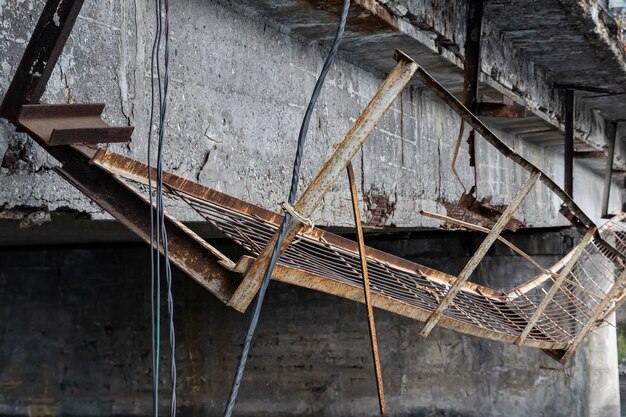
(379, 206)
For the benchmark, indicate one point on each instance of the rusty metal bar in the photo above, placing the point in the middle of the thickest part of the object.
(618, 286)
(594, 154)
(611, 132)
(136, 171)
(473, 29)
(482, 229)
(512, 111)
(386, 94)
(68, 124)
(366, 288)
(187, 251)
(44, 48)
(480, 252)
(580, 218)
(294, 276)
(568, 164)
(556, 286)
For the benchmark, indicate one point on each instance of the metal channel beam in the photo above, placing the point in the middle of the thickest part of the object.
(480, 253)
(611, 132)
(44, 48)
(509, 111)
(473, 30)
(555, 287)
(356, 136)
(568, 170)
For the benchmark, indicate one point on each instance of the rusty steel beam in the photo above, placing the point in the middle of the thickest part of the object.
(313, 195)
(482, 229)
(596, 316)
(136, 171)
(187, 251)
(611, 133)
(69, 124)
(473, 31)
(298, 277)
(44, 48)
(511, 111)
(480, 253)
(589, 154)
(366, 288)
(568, 152)
(556, 286)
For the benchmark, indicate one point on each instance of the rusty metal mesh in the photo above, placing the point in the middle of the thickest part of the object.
(507, 315)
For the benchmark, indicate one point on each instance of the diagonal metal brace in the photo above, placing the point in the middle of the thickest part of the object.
(310, 199)
(480, 253)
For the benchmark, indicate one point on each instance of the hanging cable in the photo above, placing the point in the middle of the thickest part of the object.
(158, 233)
(295, 178)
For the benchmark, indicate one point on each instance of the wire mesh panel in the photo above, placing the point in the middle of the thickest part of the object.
(500, 315)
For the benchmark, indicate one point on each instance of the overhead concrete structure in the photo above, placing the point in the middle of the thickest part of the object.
(382, 211)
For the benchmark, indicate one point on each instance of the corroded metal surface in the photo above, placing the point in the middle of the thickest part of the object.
(68, 124)
(331, 264)
(314, 193)
(366, 287)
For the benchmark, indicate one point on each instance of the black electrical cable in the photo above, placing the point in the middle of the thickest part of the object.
(155, 284)
(283, 227)
(158, 239)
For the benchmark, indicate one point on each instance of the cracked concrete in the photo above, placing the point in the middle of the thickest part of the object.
(238, 89)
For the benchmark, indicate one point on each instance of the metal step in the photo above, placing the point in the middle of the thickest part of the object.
(69, 124)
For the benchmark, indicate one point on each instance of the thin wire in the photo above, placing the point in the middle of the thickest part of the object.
(155, 282)
(295, 178)
(158, 239)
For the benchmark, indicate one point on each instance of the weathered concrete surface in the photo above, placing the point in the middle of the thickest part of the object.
(75, 340)
(239, 88)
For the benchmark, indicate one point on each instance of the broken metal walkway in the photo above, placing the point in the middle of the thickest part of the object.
(553, 311)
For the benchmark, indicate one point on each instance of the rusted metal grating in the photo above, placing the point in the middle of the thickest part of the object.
(405, 287)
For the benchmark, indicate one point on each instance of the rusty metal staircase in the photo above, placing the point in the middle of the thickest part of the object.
(553, 311)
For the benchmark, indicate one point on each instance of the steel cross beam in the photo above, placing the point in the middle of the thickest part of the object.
(480, 253)
(473, 32)
(313, 195)
(555, 287)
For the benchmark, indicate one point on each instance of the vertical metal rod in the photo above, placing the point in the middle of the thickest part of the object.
(618, 285)
(313, 195)
(473, 29)
(480, 252)
(568, 165)
(555, 287)
(366, 287)
(611, 132)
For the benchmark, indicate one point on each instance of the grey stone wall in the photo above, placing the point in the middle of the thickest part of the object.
(238, 91)
(75, 341)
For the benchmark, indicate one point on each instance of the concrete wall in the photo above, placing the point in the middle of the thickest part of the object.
(75, 332)
(238, 93)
